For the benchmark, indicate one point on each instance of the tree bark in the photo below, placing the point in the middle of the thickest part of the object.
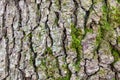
(59, 40)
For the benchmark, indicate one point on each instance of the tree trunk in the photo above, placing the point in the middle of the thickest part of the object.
(59, 40)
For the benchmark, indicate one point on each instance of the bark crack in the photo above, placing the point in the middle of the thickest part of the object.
(48, 31)
(4, 34)
(19, 12)
(33, 55)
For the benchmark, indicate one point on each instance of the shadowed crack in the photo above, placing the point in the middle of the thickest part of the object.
(20, 55)
(76, 32)
(86, 78)
(4, 34)
(63, 32)
(87, 13)
(38, 19)
(48, 31)
(13, 37)
(19, 12)
(64, 36)
(7, 60)
(59, 2)
(50, 5)
(75, 12)
(33, 55)
(57, 18)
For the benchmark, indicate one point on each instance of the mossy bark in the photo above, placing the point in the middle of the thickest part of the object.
(59, 40)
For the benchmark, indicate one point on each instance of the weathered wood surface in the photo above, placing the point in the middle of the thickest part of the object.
(59, 40)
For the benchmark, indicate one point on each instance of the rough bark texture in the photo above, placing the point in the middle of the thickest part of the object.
(59, 39)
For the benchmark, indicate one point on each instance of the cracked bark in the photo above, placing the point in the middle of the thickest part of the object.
(59, 40)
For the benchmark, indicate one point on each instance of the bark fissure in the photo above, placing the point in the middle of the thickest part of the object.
(19, 13)
(48, 31)
(59, 40)
(33, 55)
(4, 34)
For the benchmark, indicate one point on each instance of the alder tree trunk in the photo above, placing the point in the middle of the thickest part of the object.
(59, 39)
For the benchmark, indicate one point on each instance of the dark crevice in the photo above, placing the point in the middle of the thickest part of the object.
(22, 74)
(33, 55)
(87, 75)
(50, 5)
(57, 18)
(75, 12)
(58, 66)
(4, 34)
(59, 2)
(94, 73)
(7, 60)
(116, 47)
(97, 49)
(64, 36)
(20, 55)
(87, 14)
(86, 78)
(38, 13)
(13, 37)
(114, 70)
(48, 28)
(107, 7)
(19, 13)
(4, 29)
(77, 49)
(48, 31)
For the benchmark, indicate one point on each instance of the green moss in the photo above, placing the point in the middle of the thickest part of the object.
(48, 50)
(114, 16)
(57, 4)
(101, 72)
(99, 37)
(31, 60)
(43, 64)
(77, 66)
(118, 1)
(109, 19)
(113, 79)
(106, 25)
(64, 78)
(116, 55)
(76, 43)
(118, 40)
(56, 21)
(76, 37)
(64, 4)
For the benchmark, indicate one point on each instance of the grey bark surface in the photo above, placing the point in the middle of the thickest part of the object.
(59, 40)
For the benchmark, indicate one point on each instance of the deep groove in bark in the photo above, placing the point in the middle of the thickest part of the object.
(64, 36)
(57, 18)
(19, 12)
(38, 13)
(65, 13)
(86, 78)
(33, 55)
(11, 51)
(59, 2)
(75, 12)
(48, 31)
(4, 34)
(50, 5)
(20, 55)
